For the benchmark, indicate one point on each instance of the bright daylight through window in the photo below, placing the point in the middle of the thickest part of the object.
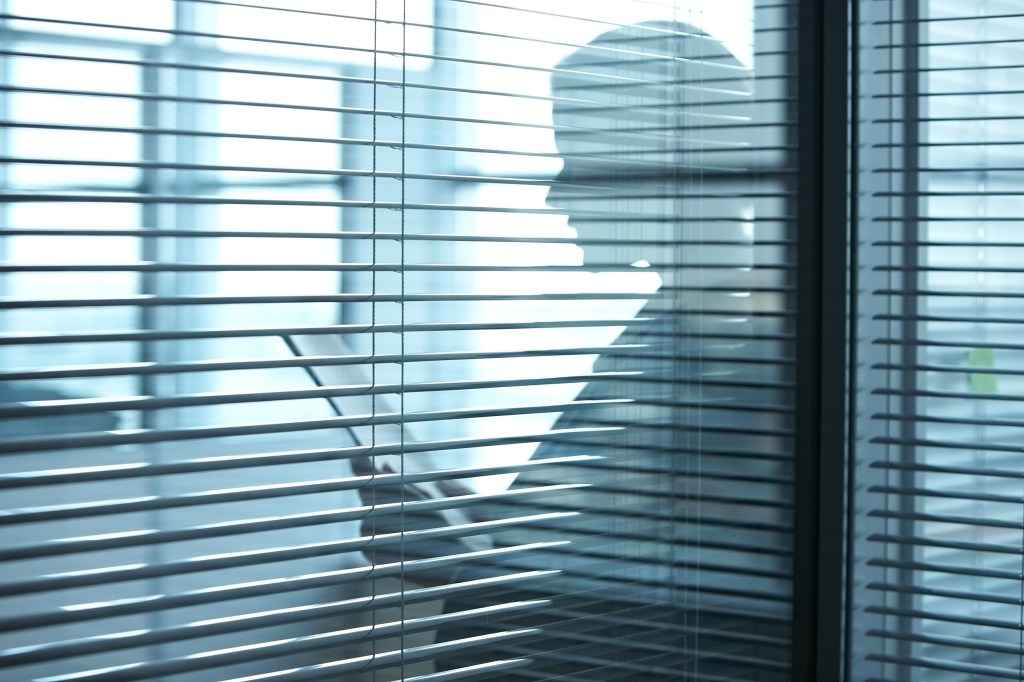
(373, 338)
(442, 340)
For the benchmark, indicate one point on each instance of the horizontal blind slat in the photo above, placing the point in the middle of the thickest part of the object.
(319, 641)
(141, 538)
(949, 666)
(157, 603)
(383, 660)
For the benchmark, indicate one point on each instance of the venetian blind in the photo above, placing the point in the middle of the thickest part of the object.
(396, 340)
(939, 505)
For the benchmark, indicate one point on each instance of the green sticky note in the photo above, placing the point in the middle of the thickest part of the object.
(982, 382)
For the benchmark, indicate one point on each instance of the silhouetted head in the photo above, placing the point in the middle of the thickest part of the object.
(643, 114)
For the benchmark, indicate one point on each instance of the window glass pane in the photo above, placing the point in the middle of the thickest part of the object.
(151, 19)
(309, 29)
(941, 475)
(53, 95)
(291, 109)
(507, 321)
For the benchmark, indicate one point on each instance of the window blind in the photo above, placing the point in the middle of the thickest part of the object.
(939, 508)
(396, 340)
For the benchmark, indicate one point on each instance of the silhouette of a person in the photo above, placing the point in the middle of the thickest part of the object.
(674, 539)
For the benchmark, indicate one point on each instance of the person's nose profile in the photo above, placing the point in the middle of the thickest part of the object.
(556, 194)
(560, 188)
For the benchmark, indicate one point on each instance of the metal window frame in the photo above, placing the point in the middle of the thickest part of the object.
(823, 400)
